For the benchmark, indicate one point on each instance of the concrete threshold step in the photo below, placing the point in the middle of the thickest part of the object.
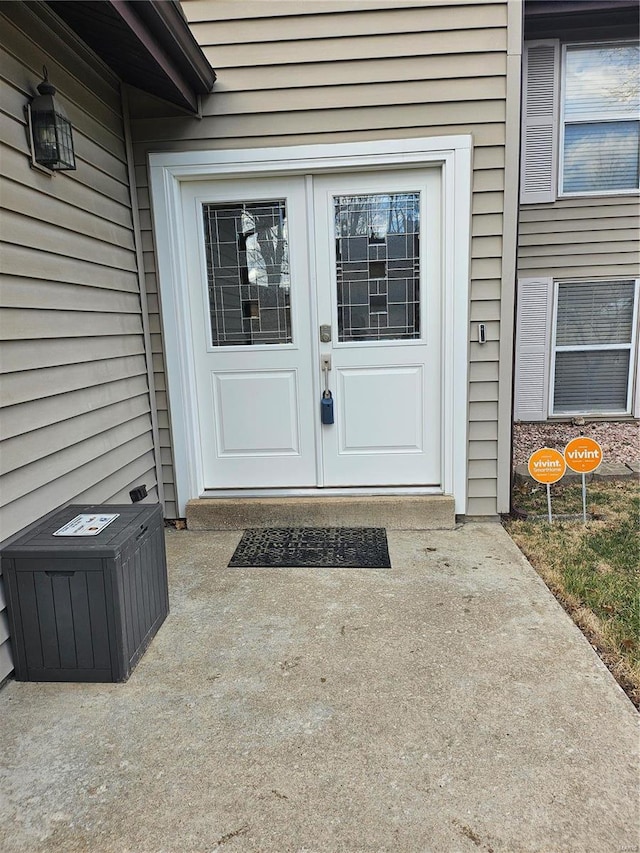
(395, 512)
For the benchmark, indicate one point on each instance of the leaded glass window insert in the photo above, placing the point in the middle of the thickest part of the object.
(378, 266)
(594, 340)
(248, 281)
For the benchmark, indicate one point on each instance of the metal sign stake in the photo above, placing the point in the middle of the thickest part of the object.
(549, 502)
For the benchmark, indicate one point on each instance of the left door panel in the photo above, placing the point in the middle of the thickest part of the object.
(249, 297)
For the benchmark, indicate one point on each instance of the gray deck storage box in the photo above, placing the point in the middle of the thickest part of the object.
(85, 608)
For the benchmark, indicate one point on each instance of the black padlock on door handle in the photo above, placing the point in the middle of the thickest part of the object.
(326, 408)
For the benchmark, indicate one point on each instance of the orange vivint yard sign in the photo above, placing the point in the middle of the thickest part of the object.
(547, 465)
(583, 454)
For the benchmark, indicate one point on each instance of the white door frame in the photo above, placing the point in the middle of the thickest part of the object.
(167, 170)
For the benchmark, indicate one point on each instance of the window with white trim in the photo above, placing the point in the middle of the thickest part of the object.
(580, 119)
(600, 126)
(593, 346)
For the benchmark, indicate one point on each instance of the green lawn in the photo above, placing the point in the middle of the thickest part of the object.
(593, 568)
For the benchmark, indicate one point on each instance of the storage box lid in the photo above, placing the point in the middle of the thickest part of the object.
(38, 537)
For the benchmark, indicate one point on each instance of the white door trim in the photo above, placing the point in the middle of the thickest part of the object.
(168, 169)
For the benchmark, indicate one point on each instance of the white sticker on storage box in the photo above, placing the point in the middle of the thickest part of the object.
(86, 525)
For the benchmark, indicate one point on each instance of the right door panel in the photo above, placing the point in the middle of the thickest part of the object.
(379, 286)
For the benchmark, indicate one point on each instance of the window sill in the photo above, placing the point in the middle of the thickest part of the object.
(600, 194)
(599, 418)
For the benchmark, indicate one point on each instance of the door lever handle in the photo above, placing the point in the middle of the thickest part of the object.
(325, 367)
(326, 403)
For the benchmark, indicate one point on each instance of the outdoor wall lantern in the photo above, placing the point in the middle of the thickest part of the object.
(50, 130)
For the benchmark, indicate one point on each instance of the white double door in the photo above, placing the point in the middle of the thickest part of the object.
(300, 282)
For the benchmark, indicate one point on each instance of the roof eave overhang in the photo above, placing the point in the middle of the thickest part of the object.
(580, 20)
(147, 44)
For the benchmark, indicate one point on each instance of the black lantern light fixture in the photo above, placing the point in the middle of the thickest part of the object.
(50, 130)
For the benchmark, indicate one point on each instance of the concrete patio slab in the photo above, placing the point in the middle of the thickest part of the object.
(445, 705)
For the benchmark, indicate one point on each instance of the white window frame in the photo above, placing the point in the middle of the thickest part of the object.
(590, 120)
(632, 347)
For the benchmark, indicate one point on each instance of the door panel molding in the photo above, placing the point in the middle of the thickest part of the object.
(237, 391)
(170, 171)
(351, 439)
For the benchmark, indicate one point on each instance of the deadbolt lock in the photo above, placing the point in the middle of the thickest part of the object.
(325, 334)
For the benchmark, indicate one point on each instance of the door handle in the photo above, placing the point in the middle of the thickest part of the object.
(326, 403)
(325, 367)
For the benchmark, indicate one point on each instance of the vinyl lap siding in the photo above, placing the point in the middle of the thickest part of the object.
(322, 72)
(580, 238)
(74, 394)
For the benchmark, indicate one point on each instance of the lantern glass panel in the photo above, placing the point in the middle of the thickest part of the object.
(53, 141)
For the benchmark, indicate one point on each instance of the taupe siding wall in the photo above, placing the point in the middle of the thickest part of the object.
(320, 72)
(75, 403)
(580, 238)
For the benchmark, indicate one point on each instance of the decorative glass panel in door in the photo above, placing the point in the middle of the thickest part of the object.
(247, 255)
(378, 266)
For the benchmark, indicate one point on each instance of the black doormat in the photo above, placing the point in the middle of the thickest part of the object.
(313, 547)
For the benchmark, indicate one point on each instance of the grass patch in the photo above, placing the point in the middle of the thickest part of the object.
(593, 568)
